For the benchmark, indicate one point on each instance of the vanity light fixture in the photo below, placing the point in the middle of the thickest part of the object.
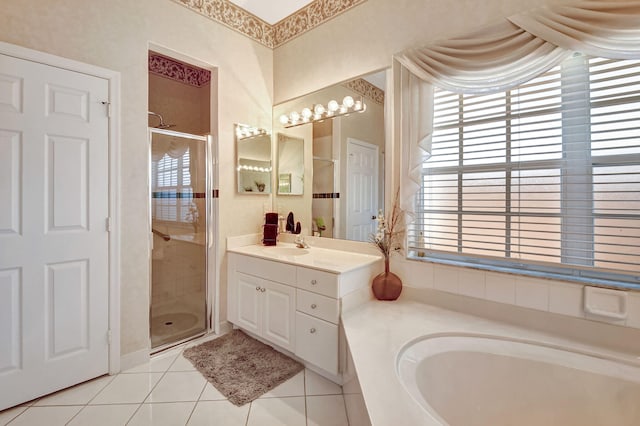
(244, 131)
(254, 168)
(319, 112)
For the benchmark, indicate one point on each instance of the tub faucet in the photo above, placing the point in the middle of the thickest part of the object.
(300, 242)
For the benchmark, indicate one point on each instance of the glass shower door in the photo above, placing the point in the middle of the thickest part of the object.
(179, 207)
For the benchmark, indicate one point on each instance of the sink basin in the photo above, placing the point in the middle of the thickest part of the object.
(287, 251)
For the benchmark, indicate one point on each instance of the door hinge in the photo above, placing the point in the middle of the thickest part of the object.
(108, 224)
(109, 336)
(108, 105)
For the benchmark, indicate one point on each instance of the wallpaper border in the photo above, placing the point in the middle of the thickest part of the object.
(301, 21)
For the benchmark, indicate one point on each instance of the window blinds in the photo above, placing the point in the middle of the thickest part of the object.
(173, 193)
(546, 173)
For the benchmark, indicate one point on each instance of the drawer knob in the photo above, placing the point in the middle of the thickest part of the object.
(257, 288)
(263, 289)
(313, 306)
(314, 282)
(313, 330)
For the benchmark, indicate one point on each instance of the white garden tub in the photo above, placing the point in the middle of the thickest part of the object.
(467, 380)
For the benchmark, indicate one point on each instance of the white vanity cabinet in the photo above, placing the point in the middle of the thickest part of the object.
(291, 303)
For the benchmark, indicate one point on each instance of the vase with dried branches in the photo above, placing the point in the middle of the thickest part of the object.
(388, 239)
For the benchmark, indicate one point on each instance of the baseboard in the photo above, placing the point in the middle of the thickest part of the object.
(225, 327)
(134, 359)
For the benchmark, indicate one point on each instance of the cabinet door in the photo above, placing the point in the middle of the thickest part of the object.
(279, 303)
(317, 342)
(248, 299)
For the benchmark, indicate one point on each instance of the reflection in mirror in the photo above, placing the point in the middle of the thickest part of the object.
(290, 165)
(253, 160)
(347, 165)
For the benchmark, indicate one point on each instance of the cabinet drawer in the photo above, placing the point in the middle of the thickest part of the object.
(273, 271)
(317, 342)
(318, 305)
(324, 283)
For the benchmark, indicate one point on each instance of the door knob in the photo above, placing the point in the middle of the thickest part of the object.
(313, 330)
(263, 289)
(373, 218)
(314, 282)
(314, 306)
(257, 288)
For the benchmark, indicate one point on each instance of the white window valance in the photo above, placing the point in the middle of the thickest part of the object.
(500, 57)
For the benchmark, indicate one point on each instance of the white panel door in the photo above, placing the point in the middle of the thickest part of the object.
(53, 239)
(362, 189)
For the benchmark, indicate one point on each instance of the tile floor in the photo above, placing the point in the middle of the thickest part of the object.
(169, 391)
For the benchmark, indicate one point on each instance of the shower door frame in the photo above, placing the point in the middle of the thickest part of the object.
(210, 236)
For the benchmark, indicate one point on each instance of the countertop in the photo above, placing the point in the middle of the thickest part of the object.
(376, 332)
(323, 259)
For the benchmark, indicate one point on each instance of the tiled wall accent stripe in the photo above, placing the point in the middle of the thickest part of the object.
(178, 71)
(363, 87)
(305, 19)
(326, 195)
(558, 297)
(161, 194)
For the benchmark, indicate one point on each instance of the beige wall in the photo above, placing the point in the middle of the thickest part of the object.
(185, 106)
(115, 34)
(364, 38)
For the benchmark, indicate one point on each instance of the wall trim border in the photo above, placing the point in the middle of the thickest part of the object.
(305, 19)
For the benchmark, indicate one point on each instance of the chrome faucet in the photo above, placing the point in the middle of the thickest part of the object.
(300, 242)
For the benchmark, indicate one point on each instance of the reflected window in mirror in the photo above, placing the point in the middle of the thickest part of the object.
(254, 168)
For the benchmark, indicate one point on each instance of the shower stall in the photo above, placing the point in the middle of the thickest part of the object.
(181, 208)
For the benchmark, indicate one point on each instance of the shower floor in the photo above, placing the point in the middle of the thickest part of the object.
(176, 321)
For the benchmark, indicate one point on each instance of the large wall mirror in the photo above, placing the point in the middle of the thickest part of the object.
(342, 129)
(253, 147)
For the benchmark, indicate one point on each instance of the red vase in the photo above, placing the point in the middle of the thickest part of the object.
(387, 285)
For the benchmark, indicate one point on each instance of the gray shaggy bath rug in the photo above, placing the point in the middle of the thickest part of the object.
(240, 367)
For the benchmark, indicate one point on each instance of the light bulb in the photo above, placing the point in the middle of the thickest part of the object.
(284, 119)
(318, 109)
(357, 106)
(333, 106)
(306, 113)
(294, 116)
(348, 101)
